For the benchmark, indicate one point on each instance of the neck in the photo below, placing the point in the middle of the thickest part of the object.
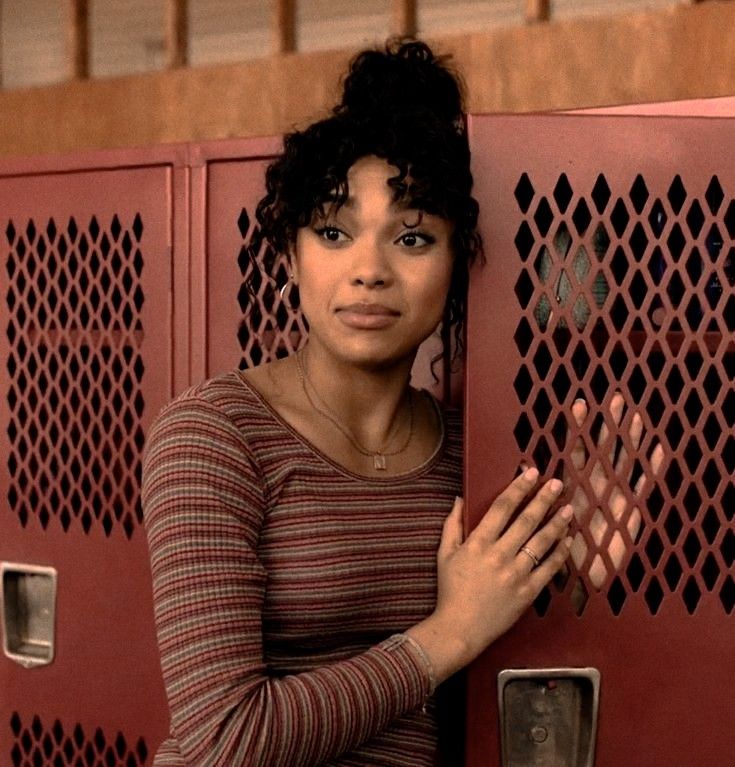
(366, 400)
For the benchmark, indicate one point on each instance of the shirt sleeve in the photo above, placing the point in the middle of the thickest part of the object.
(203, 499)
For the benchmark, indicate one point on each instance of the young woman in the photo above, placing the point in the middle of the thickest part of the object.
(312, 585)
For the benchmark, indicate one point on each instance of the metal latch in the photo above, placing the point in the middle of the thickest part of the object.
(548, 716)
(28, 613)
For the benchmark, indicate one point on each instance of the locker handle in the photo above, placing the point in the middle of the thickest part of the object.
(28, 613)
(548, 716)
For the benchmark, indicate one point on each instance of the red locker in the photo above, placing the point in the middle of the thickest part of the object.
(611, 266)
(86, 353)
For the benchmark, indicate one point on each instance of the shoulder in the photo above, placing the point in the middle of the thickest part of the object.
(218, 403)
(453, 421)
(453, 433)
(204, 423)
(195, 446)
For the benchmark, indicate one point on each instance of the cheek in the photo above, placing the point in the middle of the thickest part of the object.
(435, 284)
(315, 287)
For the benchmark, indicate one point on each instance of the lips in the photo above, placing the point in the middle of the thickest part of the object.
(369, 309)
(367, 316)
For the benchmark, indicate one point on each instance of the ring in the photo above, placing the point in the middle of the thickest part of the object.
(531, 555)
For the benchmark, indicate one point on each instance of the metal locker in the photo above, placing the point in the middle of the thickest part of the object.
(86, 355)
(610, 266)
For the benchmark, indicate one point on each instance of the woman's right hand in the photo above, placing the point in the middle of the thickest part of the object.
(486, 582)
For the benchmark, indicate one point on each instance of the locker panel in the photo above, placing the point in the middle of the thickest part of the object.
(86, 360)
(611, 266)
(274, 327)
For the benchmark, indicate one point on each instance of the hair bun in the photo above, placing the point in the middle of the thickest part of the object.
(406, 77)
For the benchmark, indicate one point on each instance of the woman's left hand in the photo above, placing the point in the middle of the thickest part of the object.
(600, 478)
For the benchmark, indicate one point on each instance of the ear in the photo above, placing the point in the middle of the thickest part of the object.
(293, 263)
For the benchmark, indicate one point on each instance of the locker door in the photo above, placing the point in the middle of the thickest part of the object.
(275, 327)
(86, 365)
(611, 265)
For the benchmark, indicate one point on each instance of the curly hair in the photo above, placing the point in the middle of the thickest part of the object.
(404, 105)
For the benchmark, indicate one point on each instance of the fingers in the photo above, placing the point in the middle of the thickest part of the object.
(524, 526)
(657, 459)
(542, 574)
(616, 407)
(547, 537)
(635, 432)
(579, 413)
(504, 506)
(453, 530)
(623, 466)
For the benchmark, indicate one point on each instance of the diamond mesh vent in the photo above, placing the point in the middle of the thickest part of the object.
(36, 745)
(75, 372)
(633, 289)
(272, 326)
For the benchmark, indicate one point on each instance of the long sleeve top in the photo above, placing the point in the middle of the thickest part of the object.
(280, 579)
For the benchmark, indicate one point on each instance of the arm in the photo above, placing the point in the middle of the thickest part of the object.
(203, 499)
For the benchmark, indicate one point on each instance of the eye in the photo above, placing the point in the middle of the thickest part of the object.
(331, 234)
(416, 239)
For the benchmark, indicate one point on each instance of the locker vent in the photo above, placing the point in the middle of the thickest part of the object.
(632, 289)
(74, 302)
(271, 327)
(36, 746)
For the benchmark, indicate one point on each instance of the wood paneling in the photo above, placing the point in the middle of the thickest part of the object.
(404, 17)
(77, 38)
(284, 26)
(177, 33)
(679, 52)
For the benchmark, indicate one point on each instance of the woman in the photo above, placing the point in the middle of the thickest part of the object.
(312, 586)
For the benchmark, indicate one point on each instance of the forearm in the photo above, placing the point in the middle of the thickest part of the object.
(299, 720)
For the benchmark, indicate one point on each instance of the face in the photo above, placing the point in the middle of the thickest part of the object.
(373, 275)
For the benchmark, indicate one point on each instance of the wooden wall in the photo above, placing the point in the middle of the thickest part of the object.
(685, 51)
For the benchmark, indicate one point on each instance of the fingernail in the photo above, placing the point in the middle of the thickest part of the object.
(555, 485)
(531, 475)
(457, 499)
(567, 512)
(581, 400)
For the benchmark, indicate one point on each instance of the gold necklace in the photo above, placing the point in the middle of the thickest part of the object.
(378, 456)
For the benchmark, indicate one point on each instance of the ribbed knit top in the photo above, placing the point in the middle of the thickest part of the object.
(279, 580)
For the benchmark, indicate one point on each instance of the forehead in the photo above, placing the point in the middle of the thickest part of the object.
(372, 182)
(367, 178)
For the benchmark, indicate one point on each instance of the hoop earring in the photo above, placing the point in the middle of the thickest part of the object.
(288, 284)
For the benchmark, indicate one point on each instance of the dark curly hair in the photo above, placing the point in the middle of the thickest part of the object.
(402, 104)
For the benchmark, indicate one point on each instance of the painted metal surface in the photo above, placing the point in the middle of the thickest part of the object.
(611, 266)
(86, 358)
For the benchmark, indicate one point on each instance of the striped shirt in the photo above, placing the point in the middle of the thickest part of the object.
(279, 580)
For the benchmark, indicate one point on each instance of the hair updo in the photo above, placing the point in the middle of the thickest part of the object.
(404, 105)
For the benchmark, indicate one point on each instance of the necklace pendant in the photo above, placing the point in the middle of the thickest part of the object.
(379, 462)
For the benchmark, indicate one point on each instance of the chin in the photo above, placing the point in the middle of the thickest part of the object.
(378, 353)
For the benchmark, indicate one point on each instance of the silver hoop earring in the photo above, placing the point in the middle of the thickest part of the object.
(288, 284)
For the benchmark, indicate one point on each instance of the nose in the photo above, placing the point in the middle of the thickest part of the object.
(371, 267)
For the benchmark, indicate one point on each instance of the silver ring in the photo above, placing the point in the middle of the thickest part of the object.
(536, 561)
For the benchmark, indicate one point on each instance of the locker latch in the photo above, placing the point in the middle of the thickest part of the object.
(548, 716)
(28, 613)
